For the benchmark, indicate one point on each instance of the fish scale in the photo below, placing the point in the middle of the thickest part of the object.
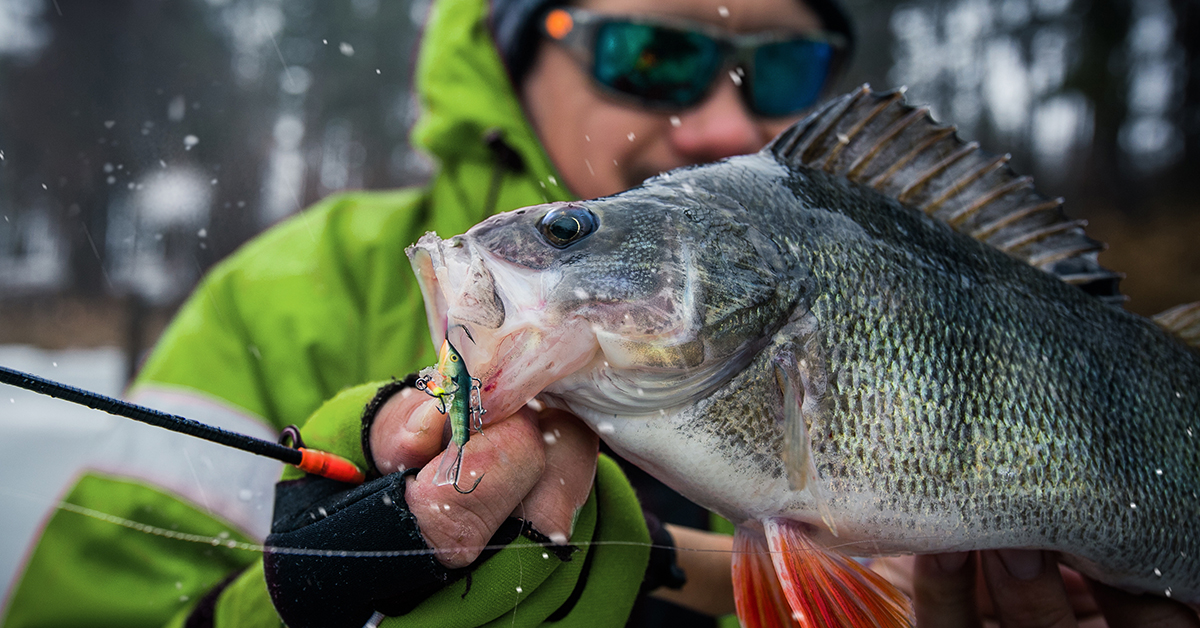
(838, 372)
(1021, 420)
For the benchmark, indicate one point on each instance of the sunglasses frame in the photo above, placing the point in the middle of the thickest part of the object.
(736, 50)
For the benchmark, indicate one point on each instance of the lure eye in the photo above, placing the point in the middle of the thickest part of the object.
(564, 226)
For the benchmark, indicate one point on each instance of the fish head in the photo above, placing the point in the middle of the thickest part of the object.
(608, 301)
(542, 291)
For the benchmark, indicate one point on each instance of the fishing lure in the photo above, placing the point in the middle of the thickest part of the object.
(458, 397)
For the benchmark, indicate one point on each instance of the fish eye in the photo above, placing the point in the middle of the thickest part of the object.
(564, 226)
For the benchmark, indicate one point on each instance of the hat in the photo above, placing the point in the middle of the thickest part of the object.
(515, 30)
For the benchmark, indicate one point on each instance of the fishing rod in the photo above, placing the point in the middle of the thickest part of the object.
(312, 461)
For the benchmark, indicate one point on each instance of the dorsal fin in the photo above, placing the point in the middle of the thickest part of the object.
(1183, 321)
(880, 141)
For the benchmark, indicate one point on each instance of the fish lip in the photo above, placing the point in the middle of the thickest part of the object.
(456, 281)
(428, 258)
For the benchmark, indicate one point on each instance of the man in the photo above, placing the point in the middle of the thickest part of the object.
(303, 325)
(309, 323)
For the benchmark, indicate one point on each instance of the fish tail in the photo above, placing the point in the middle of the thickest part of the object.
(822, 589)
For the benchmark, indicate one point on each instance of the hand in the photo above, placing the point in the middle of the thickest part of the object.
(1018, 589)
(537, 466)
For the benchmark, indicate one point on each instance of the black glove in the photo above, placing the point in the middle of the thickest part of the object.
(662, 571)
(316, 519)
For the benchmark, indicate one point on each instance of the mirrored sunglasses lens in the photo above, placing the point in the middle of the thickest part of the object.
(789, 75)
(659, 65)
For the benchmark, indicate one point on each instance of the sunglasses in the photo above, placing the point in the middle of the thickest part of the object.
(674, 64)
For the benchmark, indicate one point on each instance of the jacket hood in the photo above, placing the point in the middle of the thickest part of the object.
(466, 94)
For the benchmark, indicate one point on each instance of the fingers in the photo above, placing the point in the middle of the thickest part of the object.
(407, 432)
(944, 591)
(1082, 602)
(511, 459)
(567, 480)
(1026, 589)
(898, 570)
(1123, 609)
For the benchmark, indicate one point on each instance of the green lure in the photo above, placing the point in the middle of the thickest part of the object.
(458, 396)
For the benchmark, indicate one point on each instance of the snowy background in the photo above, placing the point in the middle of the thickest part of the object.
(44, 442)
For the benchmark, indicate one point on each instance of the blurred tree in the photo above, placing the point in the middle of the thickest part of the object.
(255, 109)
(1186, 186)
(1101, 75)
(59, 117)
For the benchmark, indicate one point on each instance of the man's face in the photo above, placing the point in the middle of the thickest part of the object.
(602, 146)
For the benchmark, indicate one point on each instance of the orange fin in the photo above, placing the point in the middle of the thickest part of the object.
(828, 590)
(756, 589)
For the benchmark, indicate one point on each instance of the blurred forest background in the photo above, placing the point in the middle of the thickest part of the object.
(142, 141)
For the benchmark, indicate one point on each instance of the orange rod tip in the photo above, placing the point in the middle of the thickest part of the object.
(331, 466)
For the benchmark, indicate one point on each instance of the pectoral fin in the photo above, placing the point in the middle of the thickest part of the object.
(825, 589)
(799, 397)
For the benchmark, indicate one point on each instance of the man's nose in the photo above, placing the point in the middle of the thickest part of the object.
(720, 126)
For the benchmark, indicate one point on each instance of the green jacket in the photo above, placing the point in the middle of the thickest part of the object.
(301, 326)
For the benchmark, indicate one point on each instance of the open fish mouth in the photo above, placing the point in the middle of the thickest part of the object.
(496, 315)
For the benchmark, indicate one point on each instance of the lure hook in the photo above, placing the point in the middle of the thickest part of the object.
(458, 474)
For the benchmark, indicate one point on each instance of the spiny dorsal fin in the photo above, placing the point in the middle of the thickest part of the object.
(1183, 321)
(880, 141)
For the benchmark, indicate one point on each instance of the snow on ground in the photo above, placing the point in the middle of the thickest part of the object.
(44, 442)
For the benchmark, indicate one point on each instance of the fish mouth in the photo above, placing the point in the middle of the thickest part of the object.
(496, 316)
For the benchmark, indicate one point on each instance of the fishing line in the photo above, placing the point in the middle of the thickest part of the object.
(309, 460)
(223, 541)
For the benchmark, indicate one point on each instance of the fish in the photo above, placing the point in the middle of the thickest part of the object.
(869, 338)
(456, 391)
